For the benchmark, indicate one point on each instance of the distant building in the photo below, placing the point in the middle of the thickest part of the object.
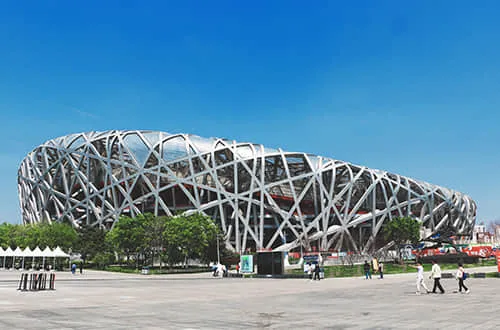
(497, 233)
(485, 237)
(478, 232)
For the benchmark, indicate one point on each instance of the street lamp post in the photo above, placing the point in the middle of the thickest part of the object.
(218, 253)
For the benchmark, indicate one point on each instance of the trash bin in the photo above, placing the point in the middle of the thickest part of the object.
(145, 270)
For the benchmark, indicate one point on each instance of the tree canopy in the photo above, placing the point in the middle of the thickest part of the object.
(402, 230)
(142, 238)
(43, 234)
(189, 236)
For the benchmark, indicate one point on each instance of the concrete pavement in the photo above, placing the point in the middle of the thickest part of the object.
(101, 300)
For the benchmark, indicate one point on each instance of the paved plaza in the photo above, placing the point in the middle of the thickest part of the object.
(98, 300)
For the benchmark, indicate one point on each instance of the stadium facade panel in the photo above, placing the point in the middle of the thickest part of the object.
(262, 198)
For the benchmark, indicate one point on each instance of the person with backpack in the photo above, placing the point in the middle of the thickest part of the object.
(366, 268)
(461, 276)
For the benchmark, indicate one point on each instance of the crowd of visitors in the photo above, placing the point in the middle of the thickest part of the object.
(378, 267)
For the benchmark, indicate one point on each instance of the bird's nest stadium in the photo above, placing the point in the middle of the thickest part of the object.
(262, 198)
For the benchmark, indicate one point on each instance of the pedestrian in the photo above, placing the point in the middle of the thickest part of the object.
(220, 270)
(225, 270)
(461, 276)
(420, 277)
(237, 268)
(214, 269)
(381, 270)
(374, 265)
(366, 268)
(310, 271)
(73, 268)
(317, 270)
(81, 267)
(436, 275)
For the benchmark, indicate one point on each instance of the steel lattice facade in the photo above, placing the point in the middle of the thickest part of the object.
(262, 198)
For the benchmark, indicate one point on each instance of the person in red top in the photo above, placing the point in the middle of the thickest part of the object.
(237, 268)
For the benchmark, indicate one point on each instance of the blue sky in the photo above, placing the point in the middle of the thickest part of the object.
(412, 88)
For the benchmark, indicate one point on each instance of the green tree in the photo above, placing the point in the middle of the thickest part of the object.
(189, 236)
(91, 241)
(154, 241)
(402, 230)
(42, 235)
(53, 235)
(128, 236)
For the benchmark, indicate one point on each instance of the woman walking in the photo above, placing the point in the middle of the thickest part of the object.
(461, 277)
(420, 277)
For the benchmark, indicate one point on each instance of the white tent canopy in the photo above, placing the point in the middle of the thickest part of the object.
(36, 253)
(18, 252)
(60, 253)
(47, 252)
(27, 252)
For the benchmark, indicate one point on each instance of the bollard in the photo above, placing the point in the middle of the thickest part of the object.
(44, 281)
(40, 283)
(52, 280)
(32, 281)
(23, 282)
(35, 282)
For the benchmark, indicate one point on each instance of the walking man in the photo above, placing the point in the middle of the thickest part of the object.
(316, 272)
(436, 275)
(461, 278)
(366, 268)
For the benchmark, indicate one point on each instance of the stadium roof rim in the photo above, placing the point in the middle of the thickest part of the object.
(94, 135)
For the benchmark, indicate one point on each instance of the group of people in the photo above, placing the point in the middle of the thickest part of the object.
(313, 270)
(435, 275)
(73, 268)
(219, 270)
(376, 266)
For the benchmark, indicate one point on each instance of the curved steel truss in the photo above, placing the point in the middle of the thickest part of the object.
(262, 198)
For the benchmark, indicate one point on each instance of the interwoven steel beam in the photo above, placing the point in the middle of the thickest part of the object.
(262, 198)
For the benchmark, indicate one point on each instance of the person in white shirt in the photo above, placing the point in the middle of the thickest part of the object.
(460, 277)
(420, 278)
(309, 270)
(436, 275)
